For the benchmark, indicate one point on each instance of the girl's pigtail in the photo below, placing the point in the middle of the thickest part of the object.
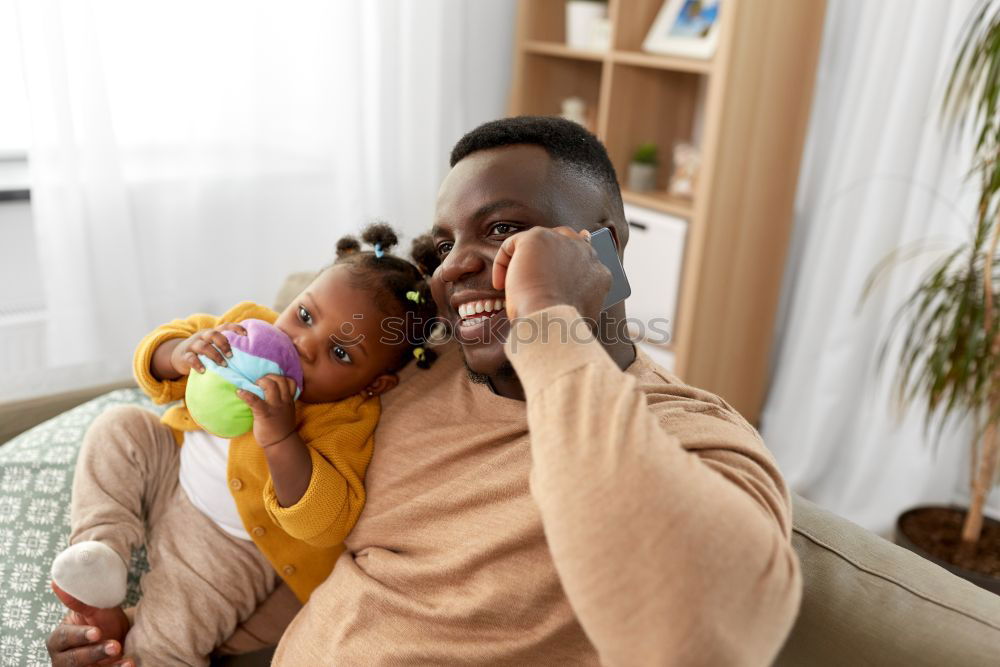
(425, 255)
(347, 246)
(381, 237)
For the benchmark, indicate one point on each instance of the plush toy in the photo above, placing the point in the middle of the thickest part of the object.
(211, 396)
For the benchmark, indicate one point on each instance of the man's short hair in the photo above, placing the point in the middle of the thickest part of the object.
(565, 141)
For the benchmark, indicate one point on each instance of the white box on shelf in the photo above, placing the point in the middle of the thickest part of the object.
(581, 15)
(654, 258)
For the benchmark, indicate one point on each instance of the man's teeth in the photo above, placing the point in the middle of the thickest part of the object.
(473, 308)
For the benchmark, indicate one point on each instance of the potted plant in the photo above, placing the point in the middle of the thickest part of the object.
(949, 359)
(642, 169)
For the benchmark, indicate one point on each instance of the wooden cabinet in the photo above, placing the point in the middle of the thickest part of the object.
(746, 109)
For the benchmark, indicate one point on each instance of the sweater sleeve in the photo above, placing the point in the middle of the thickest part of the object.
(333, 501)
(165, 391)
(667, 519)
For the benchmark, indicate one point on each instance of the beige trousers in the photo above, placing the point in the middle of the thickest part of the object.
(203, 584)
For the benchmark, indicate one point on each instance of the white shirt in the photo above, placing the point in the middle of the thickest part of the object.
(203, 478)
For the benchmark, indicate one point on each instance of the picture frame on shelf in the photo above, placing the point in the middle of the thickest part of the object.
(686, 28)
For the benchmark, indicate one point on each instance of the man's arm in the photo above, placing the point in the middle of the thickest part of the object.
(670, 531)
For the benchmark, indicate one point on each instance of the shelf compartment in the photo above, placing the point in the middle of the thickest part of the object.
(548, 80)
(651, 105)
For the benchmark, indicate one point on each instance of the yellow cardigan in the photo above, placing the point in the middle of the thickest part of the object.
(303, 541)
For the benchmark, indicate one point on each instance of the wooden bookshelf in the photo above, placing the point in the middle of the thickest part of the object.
(746, 109)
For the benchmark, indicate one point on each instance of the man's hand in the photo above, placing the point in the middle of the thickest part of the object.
(209, 342)
(273, 417)
(88, 636)
(544, 267)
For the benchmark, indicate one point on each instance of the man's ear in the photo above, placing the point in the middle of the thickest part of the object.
(618, 234)
(382, 384)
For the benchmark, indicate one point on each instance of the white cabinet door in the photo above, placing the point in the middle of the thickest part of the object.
(653, 260)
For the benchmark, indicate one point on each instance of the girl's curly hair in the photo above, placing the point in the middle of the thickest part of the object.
(400, 287)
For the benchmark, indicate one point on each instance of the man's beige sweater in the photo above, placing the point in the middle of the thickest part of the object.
(620, 518)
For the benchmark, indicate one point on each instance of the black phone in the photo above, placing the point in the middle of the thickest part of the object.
(604, 244)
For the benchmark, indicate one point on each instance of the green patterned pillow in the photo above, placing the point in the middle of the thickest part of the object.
(36, 476)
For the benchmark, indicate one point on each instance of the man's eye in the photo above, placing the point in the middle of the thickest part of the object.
(502, 229)
(305, 316)
(444, 248)
(340, 353)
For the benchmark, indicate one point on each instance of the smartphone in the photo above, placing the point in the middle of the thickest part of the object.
(604, 244)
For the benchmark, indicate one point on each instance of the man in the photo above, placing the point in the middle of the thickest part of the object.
(558, 498)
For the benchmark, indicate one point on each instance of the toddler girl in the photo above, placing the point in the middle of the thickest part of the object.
(222, 519)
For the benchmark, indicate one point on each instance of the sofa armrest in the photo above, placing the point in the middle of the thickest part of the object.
(867, 601)
(18, 416)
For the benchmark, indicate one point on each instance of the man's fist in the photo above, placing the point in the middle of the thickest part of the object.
(544, 267)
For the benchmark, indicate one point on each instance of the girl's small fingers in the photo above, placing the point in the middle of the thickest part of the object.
(220, 341)
(232, 326)
(270, 391)
(194, 362)
(248, 397)
(279, 393)
(206, 348)
(287, 388)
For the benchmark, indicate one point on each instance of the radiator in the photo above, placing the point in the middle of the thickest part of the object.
(22, 339)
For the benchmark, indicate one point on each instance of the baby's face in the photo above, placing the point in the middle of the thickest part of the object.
(336, 329)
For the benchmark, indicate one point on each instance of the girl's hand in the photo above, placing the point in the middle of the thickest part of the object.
(209, 342)
(273, 417)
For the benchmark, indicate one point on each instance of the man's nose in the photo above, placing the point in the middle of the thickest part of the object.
(461, 262)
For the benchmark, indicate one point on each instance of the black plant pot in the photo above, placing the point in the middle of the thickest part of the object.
(914, 544)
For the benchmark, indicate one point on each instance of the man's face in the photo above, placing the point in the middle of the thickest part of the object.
(487, 197)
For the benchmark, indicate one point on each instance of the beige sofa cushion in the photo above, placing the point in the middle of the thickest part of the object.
(867, 601)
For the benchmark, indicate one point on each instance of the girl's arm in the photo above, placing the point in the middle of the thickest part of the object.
(291, 468)
(155, 371)
(317, 460)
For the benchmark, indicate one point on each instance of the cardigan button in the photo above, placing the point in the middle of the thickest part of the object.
(235, 484)
(288, 570)
(258, 531)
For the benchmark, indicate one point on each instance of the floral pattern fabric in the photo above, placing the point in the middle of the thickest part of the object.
(36, 476)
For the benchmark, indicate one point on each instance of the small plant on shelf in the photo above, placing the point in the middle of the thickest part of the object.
(642, 170)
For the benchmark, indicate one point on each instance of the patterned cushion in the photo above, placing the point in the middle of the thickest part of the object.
(36, 476)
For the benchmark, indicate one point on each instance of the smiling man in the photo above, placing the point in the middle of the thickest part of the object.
(556, 498)
(573, 503)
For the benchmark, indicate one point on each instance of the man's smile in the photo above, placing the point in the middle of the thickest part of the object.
(478, 315)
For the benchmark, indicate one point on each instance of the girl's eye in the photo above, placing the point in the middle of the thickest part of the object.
(304, 315)
(444, 248)
(340, 353)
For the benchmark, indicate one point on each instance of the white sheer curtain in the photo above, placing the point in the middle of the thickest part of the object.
(879, 172)
(188, 155)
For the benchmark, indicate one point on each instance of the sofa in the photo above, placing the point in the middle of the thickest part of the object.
(865, 600)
